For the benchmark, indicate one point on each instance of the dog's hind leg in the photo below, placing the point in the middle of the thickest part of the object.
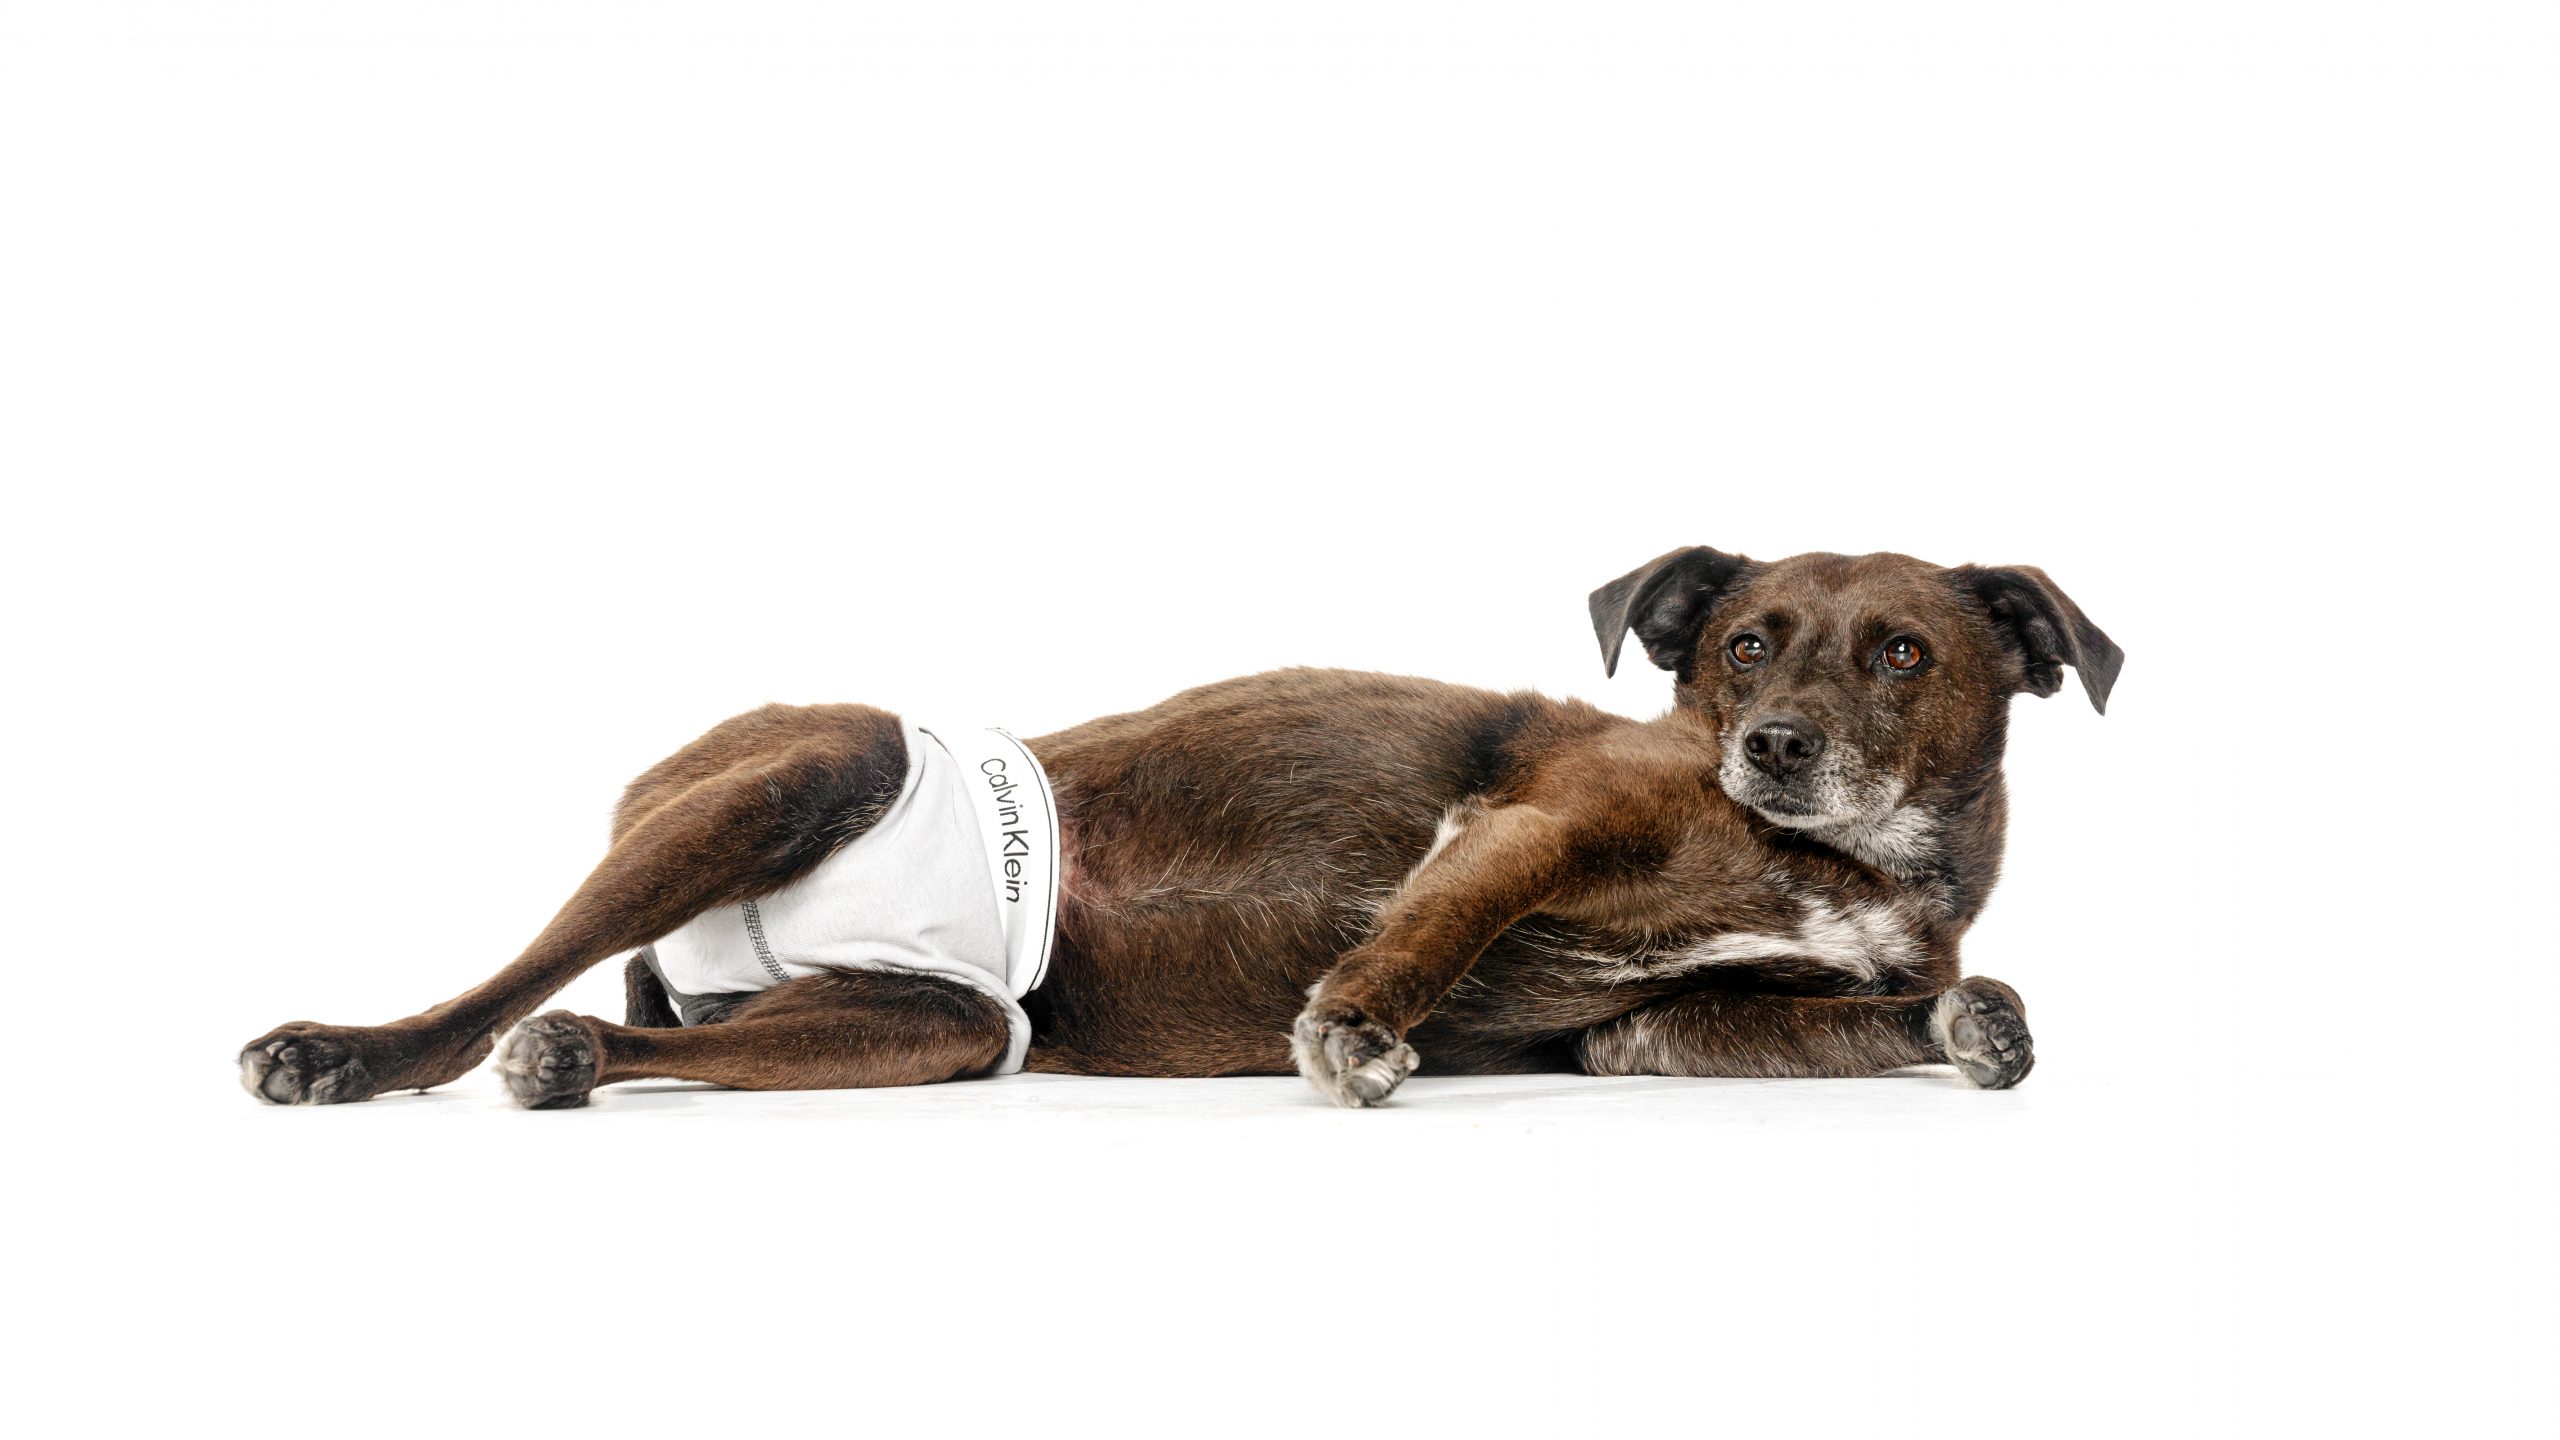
(838, 1030)
(748, 808)
(1979, 1026)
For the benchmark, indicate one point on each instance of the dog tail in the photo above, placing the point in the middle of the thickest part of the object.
(644, 998)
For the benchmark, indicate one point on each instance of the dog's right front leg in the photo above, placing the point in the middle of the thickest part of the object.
(1349, 1041)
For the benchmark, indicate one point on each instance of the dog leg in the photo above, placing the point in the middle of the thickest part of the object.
(1349, 1041)
(841, 1030)
(1979, 1026)
(745, 810)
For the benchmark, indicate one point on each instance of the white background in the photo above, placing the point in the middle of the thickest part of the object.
(418, 419)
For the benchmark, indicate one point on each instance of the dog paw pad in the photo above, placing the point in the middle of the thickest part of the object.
(549, 1062)
(1982, 1027)
(306, 1064)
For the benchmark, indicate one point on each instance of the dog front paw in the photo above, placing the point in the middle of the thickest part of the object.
(549, 1062)
(1982, 1026)
(1350, 1059)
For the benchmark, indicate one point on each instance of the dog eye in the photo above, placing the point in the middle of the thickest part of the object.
(1748, 650)
(1903, 653)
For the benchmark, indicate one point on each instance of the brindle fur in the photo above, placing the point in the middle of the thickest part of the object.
(1335, 871)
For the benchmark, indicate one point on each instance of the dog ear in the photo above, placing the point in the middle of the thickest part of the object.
(2046, 630)
(1664, 602)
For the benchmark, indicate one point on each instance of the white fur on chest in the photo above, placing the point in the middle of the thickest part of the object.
(1861, 939)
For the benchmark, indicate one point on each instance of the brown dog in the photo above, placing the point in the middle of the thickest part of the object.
(1335, 869)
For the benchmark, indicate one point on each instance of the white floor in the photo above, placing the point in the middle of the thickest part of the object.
(1189, 1257)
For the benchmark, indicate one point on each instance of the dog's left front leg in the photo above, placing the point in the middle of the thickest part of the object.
(1977, 1025)
(1505, 863)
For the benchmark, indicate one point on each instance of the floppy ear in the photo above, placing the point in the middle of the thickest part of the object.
(2047, 631)
(1664, 602)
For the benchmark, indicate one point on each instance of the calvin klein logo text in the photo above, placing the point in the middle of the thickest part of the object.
(1016, 846)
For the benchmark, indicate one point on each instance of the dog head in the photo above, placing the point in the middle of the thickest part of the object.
(1845, 688)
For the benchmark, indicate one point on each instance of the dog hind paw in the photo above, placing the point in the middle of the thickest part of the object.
(1352, 1062)
(306, 1064)
(549, 1061)
(1982, 1026)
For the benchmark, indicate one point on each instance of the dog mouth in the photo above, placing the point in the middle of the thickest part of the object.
(1863, 813)
(1805, 802)
(1797, 815)
(1784, 807)
(1781, 803)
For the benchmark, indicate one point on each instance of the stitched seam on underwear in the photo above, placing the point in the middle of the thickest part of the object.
(755, 936)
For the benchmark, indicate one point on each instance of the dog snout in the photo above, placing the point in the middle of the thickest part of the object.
(1783, 745)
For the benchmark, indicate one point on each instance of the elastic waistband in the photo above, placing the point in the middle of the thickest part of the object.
(1018, 821)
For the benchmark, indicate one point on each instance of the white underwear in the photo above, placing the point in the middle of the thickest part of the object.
(959, 877)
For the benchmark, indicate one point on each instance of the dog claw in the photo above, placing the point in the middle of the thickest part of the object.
(1982, 1026)
(1351, 1061)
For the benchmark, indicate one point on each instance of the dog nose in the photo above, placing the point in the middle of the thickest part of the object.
(1783, 745)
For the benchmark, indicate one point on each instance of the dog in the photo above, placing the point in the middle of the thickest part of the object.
(1339, 872)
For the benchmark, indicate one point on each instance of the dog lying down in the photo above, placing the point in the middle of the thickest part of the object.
(1332, 871)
